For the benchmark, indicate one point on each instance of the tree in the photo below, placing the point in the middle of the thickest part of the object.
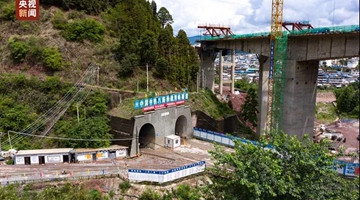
(244, 84)
(164, 17)
(166, 42)
(14, 116)
(91, 128)
(249, 109)
(148, 48)
(347, 98)
(153, 7)
(161, 67)
(185, 192)
(293, 169)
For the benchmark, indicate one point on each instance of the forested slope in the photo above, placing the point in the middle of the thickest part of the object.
(40, 60)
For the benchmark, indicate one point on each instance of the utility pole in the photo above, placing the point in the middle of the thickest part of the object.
(77, 109)
(147, 77)
(9, 140)
(197, 82)
(1, 133)
(137, 85)
(98, 75)
(188, 75)
(84, 112)
(202, 79)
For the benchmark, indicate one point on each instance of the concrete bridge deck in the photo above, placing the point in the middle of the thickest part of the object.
(304, 51)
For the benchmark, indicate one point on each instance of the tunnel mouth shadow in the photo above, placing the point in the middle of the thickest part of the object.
(147, 136)
(181, 126)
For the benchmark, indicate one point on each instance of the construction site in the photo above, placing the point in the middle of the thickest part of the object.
(163, 136)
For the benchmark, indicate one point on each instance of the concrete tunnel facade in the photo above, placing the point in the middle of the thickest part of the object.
(151, 128)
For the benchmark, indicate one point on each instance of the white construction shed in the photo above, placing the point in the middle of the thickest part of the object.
(91, 155)
(172, 141)
(42, 156)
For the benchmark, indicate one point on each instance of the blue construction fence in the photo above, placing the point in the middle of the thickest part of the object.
(345, 168)
(162, 176)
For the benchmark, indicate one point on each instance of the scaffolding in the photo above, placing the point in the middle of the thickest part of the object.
(279, 82)
(276, 82)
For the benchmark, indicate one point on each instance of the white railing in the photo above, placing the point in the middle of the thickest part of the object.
(159, 176)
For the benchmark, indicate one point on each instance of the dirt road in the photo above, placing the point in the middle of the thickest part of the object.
(325, 97)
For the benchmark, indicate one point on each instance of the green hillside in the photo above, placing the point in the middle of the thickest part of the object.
(41, 60)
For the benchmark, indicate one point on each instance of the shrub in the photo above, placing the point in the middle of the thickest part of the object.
(27, 27)
(149, 194)
(51, 57)
(124, 186)
(89, 6)
(86, 29)
(18, 49)
(7, 11)
(59, 21)
(51, 84)
(36, 48)
(10, 162)
(95, 195)
(76, 15)
(185, 192)
(111, 194)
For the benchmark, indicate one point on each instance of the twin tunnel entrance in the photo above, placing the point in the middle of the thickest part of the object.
(147, 132)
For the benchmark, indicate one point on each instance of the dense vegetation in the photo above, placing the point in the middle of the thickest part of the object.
(124, 36)
(347, 100)
(295, 169)
(249, 110)
(346, 104)
(68, 191)
(136, 33)
(23, 100)
(80, 192)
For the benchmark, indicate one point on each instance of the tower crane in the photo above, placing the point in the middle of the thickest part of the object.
(276, 82)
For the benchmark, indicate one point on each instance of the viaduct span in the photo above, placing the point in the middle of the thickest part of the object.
(304, 50)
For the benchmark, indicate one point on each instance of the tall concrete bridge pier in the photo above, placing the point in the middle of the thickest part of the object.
(303, 55)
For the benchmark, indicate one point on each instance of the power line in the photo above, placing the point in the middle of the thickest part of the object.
(73, 139)
(57, 110)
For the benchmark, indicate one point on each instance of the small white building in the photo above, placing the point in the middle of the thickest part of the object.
(172, 141)
(42, 156)
(112, 152)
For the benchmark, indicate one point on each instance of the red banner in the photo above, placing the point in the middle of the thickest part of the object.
(145, 109)
(27, 9)
(171, 104)
(149, 108)
(180, 102)
(160, 106)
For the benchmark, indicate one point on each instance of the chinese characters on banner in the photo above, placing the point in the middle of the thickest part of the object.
(158, 102)
(27, 9)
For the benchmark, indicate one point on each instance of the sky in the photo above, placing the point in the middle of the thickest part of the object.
(252, 16)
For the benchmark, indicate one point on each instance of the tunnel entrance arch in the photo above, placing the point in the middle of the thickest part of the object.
(147, 136)
(181, 126)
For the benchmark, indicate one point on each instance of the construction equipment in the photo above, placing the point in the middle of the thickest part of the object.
(276, 82)
(300, 26)
(217, 30)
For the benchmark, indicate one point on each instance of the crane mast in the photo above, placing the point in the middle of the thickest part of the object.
(276, 81)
